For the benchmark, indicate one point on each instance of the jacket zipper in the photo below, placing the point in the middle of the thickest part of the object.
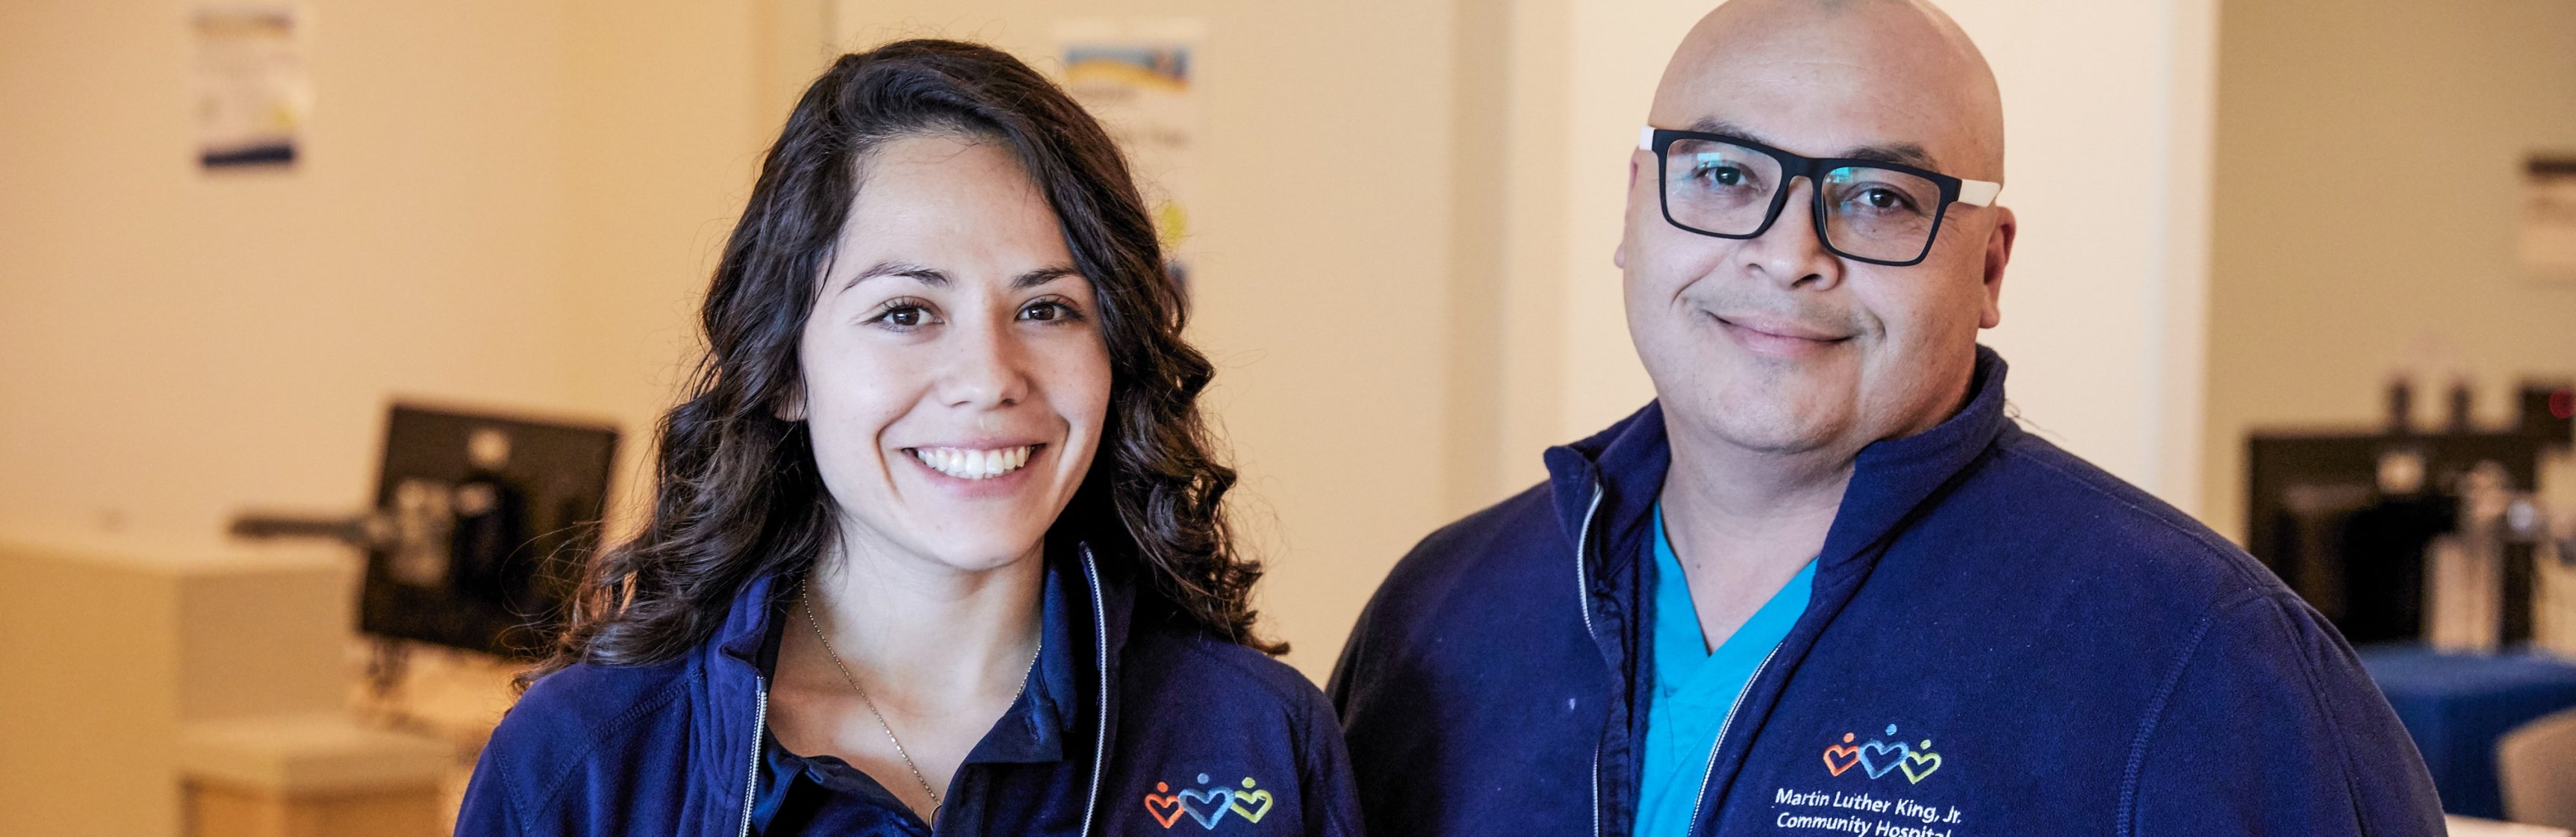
(1583, 597)
(1710, 769)
(1100, 659)
(751, 781)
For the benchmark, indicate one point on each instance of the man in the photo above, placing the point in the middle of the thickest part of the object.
(1824, 583)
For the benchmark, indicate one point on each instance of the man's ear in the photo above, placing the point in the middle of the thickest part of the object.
(1998, 252)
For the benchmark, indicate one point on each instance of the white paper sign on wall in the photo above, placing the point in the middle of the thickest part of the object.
(249, 84)
(2548, 236)
(1139, 79)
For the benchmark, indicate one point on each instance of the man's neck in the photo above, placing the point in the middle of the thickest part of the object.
(1722, 501)
(1743, 523)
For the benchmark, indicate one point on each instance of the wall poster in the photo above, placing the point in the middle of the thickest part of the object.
(2547, 240)
(248, 84)
(1138, 78)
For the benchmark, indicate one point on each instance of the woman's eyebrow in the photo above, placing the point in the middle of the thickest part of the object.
(924, 275)
(937, 278)
(1042, 276)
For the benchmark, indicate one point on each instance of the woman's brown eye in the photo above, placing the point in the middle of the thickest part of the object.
(904, 316)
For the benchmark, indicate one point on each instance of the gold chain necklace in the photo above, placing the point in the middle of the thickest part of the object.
(805, 595)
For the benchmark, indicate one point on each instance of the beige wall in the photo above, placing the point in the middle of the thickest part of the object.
(2367, 167)
(174, 343)
(498, 203)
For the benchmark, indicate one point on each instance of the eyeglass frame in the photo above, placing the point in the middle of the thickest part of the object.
(1659, 141)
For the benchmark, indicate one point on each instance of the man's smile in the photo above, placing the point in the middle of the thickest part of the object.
(1779, 337)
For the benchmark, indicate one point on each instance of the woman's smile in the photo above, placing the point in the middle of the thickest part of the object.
(971, 463)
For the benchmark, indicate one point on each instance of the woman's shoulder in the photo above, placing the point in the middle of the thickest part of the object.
(1215, 720)
(584, 712)
(1198, 668)
(595, 732)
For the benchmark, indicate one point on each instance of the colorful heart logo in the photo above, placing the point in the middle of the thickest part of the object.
(1849, 754)
(1254, 815)
(1931, 761)
(1208, 806)
(1889, 755)
(1163, 807)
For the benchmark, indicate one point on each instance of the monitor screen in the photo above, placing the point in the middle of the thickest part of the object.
(484, 524)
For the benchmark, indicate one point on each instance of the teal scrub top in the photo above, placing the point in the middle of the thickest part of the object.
(1695, 688)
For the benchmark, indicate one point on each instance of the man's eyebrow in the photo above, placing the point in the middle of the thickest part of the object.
(1902, 153)
(1712, 125)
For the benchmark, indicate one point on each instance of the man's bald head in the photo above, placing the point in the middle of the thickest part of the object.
(1913, 77)
(1773, 342)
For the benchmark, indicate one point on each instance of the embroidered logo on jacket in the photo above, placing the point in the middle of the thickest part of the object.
(1207, 804)
(1877, 758)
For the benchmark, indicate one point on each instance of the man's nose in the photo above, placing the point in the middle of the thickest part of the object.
(987, 367)
(1791, 252)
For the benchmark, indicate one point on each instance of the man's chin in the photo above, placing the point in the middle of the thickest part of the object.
(1779, 441)
(1780, 432)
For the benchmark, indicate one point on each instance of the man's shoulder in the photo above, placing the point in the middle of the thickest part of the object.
(1501, 578)
(1521, 529)
(2097, 524)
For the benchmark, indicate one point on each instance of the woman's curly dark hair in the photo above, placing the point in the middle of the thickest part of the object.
(736, 492)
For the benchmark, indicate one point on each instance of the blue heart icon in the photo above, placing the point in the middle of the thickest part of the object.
(1207, 805)
(1889, 756)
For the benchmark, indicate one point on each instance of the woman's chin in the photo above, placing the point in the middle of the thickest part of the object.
(983, 555)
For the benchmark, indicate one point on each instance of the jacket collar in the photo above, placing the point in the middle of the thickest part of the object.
(1084, 623)
(1626, 464)
(1605, 489)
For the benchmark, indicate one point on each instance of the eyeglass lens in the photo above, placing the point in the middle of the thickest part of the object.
(1870, 213)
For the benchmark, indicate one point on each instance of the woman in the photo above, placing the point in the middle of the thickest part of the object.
(936, 541)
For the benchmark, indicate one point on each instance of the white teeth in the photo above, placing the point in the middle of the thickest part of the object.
(975, 464)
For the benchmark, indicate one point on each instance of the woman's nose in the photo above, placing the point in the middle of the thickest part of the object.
(987, 367)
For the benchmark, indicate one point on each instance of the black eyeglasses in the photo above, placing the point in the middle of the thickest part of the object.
(1865, 210)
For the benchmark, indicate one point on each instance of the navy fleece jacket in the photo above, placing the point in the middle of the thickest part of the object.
(2002, 640)
(1144, 726)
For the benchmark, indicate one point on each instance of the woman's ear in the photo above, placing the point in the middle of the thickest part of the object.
(790, 406)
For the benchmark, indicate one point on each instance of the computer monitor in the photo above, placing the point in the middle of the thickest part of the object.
(484, 522)
(2344, 518)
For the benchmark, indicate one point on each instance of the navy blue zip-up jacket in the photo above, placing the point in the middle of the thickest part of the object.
(2002, 640)
(1202, 736)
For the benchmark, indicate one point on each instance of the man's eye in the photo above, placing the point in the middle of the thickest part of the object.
(1722, 175)
(1880, 199)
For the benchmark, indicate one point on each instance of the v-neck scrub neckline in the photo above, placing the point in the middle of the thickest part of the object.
(1695, 687)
